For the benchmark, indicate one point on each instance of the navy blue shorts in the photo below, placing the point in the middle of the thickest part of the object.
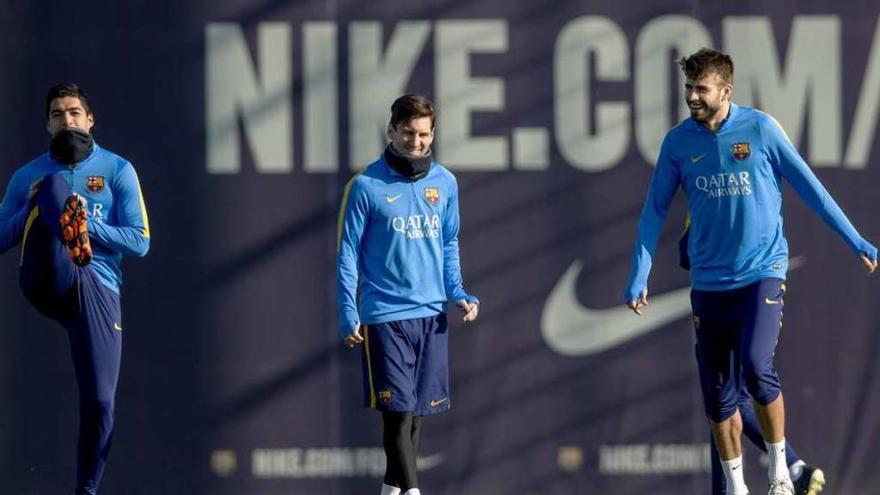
(737, 331)
(406, 365)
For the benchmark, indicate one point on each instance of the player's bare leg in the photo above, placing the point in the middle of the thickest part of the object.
(772, 419)
(727, 435)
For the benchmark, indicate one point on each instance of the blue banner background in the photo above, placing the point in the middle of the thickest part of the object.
(230, 342)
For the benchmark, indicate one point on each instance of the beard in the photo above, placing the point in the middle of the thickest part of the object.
(704, 112)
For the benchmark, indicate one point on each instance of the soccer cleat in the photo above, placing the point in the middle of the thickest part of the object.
(75, 231)
(781, 487)
(811, 481)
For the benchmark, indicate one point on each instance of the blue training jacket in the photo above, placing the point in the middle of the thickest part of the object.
(118, 223)
(397, 246)
(732, 179)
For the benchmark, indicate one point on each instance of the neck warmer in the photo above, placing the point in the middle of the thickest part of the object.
(71, 146)
(410, 167)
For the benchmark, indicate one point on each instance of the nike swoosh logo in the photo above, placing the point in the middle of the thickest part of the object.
(392, 199)
(571, 329)
(429, 462)
(771, 301)
(117, 327)
(435, 403)
(695, 159)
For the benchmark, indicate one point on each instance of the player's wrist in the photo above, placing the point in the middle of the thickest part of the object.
(347, 326)
(632, 294)
(870, 251)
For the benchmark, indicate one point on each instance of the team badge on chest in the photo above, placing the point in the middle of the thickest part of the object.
(95, 183)
(741, 151)
(432, 195)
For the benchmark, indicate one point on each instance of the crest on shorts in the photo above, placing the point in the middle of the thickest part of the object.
(741, 151)
(95, 183)
(385, 396)
(432, 195)
(696, 322)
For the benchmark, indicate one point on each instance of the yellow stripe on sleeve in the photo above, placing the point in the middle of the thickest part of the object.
(342, 208)
(27, 228)
(144, 213)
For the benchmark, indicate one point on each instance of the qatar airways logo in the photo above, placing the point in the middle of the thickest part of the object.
(97, 212)
(725, 185)
(417, 226)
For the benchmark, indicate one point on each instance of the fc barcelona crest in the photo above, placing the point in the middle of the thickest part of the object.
(741, 151)
(95, 183)
(432, 195)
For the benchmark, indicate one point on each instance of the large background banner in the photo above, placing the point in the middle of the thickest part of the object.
(245, 119)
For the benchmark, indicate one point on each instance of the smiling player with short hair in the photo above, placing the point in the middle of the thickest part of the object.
(397, 266)
(730, 161)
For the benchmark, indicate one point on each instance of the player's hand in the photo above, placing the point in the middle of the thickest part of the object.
(85, 202)
(869, 264)
(470, 310)
(34, 188)
(637, 304)
(354, 338)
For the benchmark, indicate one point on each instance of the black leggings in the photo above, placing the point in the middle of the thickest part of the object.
(400, 438)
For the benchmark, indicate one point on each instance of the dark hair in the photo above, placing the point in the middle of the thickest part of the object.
(64, 90)
(705, 62)
(409, 107)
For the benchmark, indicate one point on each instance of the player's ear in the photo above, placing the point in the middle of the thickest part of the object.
(728, 91)
(389, 131)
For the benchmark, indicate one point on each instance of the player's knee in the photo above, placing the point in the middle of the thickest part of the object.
(766, 390)
(720, 411)
(54, 183)
(719, 405)
(100, 406)
(105, 406)
(54, 189)
(397, 424)
(719, 398)
(763, 384)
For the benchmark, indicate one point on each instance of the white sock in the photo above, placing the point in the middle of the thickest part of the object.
(796, 470)
(412, 491)
(733, 471)
(389, 490)
(777, 468)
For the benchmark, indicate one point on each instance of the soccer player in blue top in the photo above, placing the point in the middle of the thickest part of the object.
(76, 210)
(397, 266)
(730, 161)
